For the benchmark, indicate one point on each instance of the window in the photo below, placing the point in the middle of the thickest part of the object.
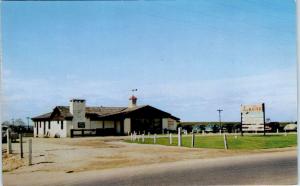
(81, 124)
(49, 126)
(61, 125)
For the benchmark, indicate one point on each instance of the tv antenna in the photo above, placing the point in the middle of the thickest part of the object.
(134, 90)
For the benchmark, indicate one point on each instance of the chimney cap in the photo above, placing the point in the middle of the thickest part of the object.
(77, 100)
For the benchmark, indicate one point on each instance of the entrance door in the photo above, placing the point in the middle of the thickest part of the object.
(122, 127)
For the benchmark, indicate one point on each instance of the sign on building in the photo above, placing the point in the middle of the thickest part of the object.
(253, 118)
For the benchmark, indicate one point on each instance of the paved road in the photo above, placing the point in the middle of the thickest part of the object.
(266, 169)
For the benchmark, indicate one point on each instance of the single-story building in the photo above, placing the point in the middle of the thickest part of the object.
(64, 121)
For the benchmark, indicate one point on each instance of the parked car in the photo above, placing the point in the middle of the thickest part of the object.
(209, 129)
(212, 128)
(197, 129)
(290, 127)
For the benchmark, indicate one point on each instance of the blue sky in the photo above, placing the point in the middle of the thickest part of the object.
(187, 58)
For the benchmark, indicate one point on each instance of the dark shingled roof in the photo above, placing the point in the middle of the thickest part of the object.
(43, 116)
(99, 112)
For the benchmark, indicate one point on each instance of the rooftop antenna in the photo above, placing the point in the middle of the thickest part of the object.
(133, 90)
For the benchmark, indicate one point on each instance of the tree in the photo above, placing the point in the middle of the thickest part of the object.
(6, 123)
(19, 122)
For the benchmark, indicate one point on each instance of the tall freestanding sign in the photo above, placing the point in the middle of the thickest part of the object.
(253, 118)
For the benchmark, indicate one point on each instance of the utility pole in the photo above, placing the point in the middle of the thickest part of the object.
(28, 123)
(220, 110)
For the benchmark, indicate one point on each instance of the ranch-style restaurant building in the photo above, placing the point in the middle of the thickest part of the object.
(65, 121)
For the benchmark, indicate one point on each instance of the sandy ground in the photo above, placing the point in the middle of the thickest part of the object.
(65, 156)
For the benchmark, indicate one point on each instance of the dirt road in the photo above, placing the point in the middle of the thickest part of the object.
(57, 159)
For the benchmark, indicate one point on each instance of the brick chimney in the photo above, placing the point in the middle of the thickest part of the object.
(132, 102)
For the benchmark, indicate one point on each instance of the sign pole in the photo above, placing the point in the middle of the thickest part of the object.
(263, 108)
(241, 124)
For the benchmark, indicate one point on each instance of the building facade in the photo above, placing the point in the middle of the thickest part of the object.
(65, 121)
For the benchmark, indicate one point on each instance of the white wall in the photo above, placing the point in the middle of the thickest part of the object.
(172, 124)
(165, 123)
(40, 129)
(35, 129)
(55, 128)
(69, 126)
(109, 124)
(127, 125)
(86, 121)
(96, 124)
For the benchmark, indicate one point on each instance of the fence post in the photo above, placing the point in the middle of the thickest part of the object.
(203, 132)
(220, 132)
(154, 139)
(8, 139)
(148, 134)
(179, 137)
(21, 145)
(225, 142)
(170, 139)
(143, 138)
(30, 152)
(193, 140)
(277, 131)
(285, 134)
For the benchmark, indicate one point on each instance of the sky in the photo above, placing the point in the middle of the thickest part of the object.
(188, 58)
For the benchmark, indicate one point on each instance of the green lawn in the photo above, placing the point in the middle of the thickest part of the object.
(242, 142)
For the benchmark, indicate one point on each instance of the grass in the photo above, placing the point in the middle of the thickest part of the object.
(249, 142)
